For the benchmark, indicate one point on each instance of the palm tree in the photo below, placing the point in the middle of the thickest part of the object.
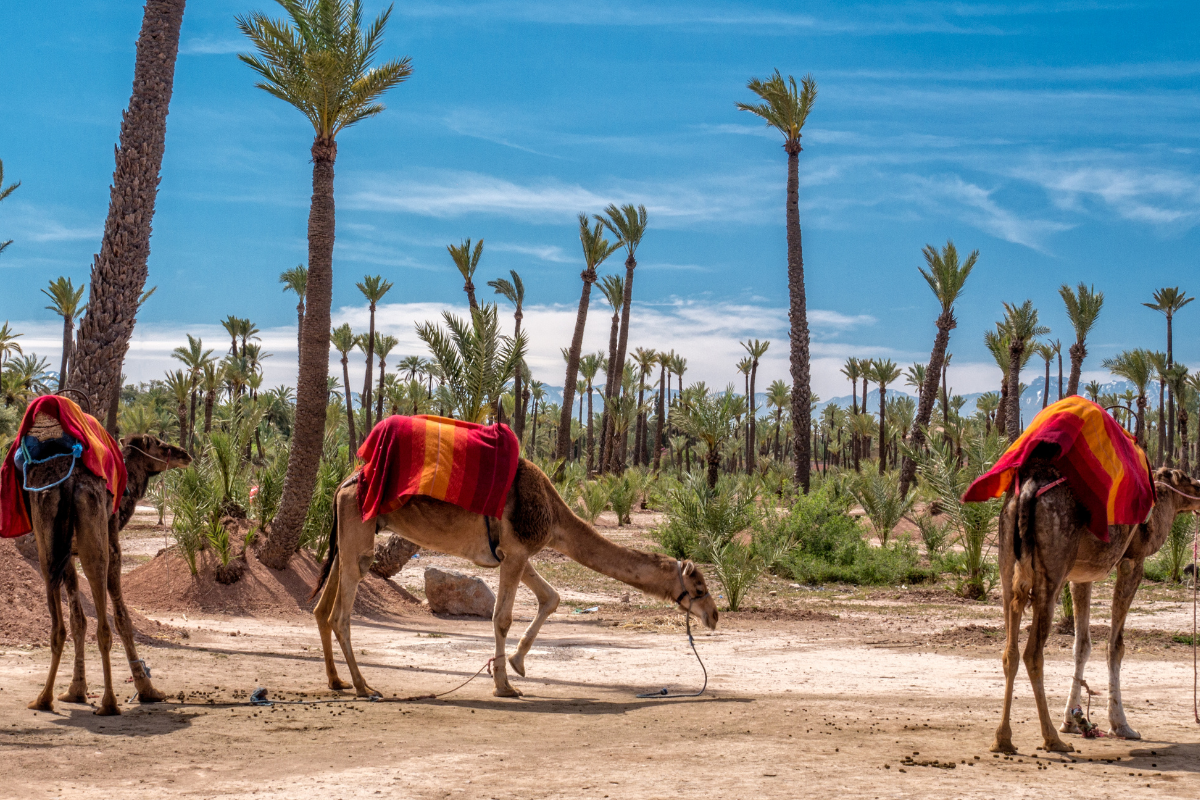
(988, 404)
(660, 435)
(645, 359)
(1137, 367)
(708, 419)
(475, 358)
(1158, 360)
(514, 292)
(320, 62)
(1083, 308)
(883, 373)
(8, 339)
(1167, 301)
(212, 377)
(119, 269)
(233, 326)
(383, 345)
(757, 349)
(1177, 377)
(5, 191)
(1056, 349)
(1046, 351)
(180, 386)
(628, 224)
(373, 287)
(467, 262)
(1092, 390)
(613, 289)
(786, 109)
(596, 249)
(589, 365)
(194, 357)
(779, 398)
(1021, 325)
(64, 301)
(295, 280)
(914, 378)
(946, 278)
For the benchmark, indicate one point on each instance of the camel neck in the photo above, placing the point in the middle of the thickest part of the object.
(135, 489)
(653, 574)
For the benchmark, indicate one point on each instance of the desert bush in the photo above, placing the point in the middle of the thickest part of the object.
(936, 536)
(334, 468)
(701, 520)
(270, 490)
(623, 492)
(1168, 564)
(592, 500)
(193, 499)
(879, 496)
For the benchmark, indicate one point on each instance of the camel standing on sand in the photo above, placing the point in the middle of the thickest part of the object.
(1044, 542)
(535, 517)
(75, 518)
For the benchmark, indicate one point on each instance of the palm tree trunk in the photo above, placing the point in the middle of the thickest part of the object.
(1162, 430)
(119, 270)
(591, 444)
(379, 399)
(611, 378)
(623, 339)
(751, 454)
(639, 434)
(312, 389)
(659, 437)
(1002, 408)
(192, 424)
(1060, 374)
(1013, 420)
(562, 450)
(68, 326)
(929, 389)
(882, 428)
(798, 313)
(518, 398)
(1078, 354)
(349, 406)
(1046, 387)
(299, 324)
(365, 403)
(209, 399)
(1140, 433)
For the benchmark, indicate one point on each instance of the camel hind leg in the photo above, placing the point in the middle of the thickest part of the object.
(1045, 596)
(547, 604)
(356, 551)
(1014, 608)
(1081, 601)
(58, 637)
(77, 691)
(1129, 577)
(511, 570)
(146, 693)
(324, 615)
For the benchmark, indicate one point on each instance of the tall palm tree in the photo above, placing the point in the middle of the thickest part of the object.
(1021, 324)
(537, 393)
(779, 398)
(1056, 349)
(612, 287)
(211, 380)
(1158, 361)
(786, 108)
(645, 359)
(1083, 308)
(383, 346)
(589, 365)
(514, 292)
(708, 418)
(64, 301)
(373, 288)
(757, 349)
(467, 262)
(914, 378)
(194, 357)
(660, 434)
(5, 191)
(628, 224)
(883, 372)
(232, 326)
(343, 340)
(476, 359)
(295, 280)
(1046, 351)
(8, 343)
(1137, 367)
(1168, 301)
(119, 269)
(946, 277)
(179, 385)
(596, 249)
(1177, 377)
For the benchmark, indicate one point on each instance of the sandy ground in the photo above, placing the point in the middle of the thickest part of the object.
(810, 691)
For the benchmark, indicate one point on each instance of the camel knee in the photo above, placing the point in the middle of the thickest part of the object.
(551, 604)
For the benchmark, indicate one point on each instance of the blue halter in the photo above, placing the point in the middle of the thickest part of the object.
(62, 447)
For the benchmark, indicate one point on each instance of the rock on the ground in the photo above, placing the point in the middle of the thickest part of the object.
(453, 593)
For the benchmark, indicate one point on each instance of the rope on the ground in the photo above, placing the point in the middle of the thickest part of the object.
(259, 698)
(663, 693)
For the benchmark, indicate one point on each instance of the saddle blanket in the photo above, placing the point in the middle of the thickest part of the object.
(101, 456)
(1100, 460)
(464, 463)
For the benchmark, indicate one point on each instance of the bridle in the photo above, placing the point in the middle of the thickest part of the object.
(687, 615)
(147, 455)
(683, 592)
(1176, 491)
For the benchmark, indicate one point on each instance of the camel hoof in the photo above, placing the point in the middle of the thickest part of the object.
(1003, 746)
(151, 695)
(73, 697)
(367, 691)
(41, 705)
(108, 710)
(1124, 732)
(518, 665)
(1058, 746)
(1070, 727)
(339, 685)
(506, 691)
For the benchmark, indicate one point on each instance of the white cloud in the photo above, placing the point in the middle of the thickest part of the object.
(1154, 196)
(974, 205)
(545, 252)
(40, 224)
(212, 45)
(823, 318)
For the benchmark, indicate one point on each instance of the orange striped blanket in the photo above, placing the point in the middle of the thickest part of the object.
(464, 463)
(101, 456)
(1100, 460)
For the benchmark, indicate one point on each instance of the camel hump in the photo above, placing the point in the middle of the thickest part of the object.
(533, 508)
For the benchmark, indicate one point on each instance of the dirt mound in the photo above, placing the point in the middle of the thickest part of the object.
(24, 618)
(164, 584)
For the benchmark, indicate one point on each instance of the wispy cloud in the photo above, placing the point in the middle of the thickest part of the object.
(835, 320)
(39, 224)
(1154, 196)
(975, 206)
(212, 46)
(545, 252)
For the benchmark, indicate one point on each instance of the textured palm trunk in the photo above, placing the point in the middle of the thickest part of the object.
(379, 399)
(119, 269)
(299, 324)
(659, 438)
(882, 428)
(1183, 434)
(591, 443)
(312, 386)
(1060, 376)
(563, 448)
(1046, 386)
(1162, 430)
(1078, 354)
(1170, 396)
(367, 380)
(623, 338)
(1140, 433)
(209, 399)
(1013, 421)
(349, 406)
(1002, 408)
(391, 557)
(798, 313)
(752, 444)
(191, 445)
(68, 331)
(612, 378)
(929, 389)
(518, 398)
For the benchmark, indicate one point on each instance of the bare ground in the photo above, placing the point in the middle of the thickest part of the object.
(837, 690)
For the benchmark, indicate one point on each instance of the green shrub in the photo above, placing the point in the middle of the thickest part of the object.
(896, 563)
(1169, 562)
(879, 496)
(701, 520)
(935, 536)
(334, 469)
(592, 500)
(623, 492)
(270, 490)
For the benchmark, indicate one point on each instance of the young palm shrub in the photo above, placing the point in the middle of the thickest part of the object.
(333, 469)
(194, 500)
(270, 489)
(1171, 560)
(623, 492)
(701, 520)
(593, 499)
(934, 535)
(880, 498)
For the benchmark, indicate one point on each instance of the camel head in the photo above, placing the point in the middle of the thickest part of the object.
(157, 455)
(702, 605)
(1173, 485)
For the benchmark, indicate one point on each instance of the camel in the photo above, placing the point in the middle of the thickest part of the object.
(75, 518)
(1044, 542)
(535, 517)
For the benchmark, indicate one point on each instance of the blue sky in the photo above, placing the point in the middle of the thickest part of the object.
(1059, 139)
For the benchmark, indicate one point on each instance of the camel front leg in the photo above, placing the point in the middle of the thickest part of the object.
(1045, 596)
(1014, 609)
(1081, 600)
(511, 569)
(547, 604)
(324, 614)
(1129, 577)
(350, 575)
(146, 693)
(77, 691)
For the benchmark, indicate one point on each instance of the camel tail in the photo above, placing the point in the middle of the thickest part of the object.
(1024, 536)
(333, 550)
(62, 536)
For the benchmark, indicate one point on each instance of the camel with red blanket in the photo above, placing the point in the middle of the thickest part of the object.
(1080, 502)
(78, 509)
(502, 510)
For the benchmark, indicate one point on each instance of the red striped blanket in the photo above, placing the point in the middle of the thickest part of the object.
(1102, 463)
(464, 463)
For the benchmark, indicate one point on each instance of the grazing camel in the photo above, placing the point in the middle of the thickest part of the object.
(535, 517)
(75, 518)
(1044, 542)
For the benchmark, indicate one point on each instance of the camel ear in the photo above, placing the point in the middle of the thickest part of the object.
(688, 568)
